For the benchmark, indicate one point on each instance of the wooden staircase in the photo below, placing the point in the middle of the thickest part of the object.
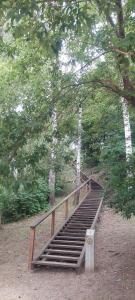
(67, 246)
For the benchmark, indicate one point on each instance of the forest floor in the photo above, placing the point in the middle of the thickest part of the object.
(114, 277)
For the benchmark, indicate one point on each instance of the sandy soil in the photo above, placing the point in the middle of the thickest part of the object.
(114, 278)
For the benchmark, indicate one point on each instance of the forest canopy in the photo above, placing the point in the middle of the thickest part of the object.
(55, 58)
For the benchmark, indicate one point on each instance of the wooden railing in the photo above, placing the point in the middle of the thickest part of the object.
(78, 194)
(83, 176)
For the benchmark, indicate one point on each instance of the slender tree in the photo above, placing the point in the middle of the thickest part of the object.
(52, 175)
(127, 129)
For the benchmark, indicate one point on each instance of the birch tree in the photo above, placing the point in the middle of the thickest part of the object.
(78, 150)
(78, 160)
(127, 129)
(52, 175)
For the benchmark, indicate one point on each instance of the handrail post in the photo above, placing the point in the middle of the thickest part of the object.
(66, 209)
(89, 186)
(89, 250)
(86, 188)
(53, 223)
(31, 247)
(76, 197)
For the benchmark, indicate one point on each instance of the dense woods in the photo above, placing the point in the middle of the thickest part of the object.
(67, 81)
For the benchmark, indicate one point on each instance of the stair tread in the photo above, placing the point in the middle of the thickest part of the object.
(64, 242)
(54, 263)
(60, 257)
(64, 251)
(65, 246)
(72, 234)
(59, 237)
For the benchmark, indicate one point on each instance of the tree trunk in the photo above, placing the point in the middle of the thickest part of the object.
(0, 220)
(78, 160)
(52, 186)
(53, 157)
(127, 129)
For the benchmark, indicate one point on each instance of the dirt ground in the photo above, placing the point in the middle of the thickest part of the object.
(114, 278)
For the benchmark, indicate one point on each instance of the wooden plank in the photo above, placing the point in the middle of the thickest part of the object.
(82, 214)
(69, 237)
(77, 227)
(65, 242)
(78, 224)
(53, 223)
(60, 257)
(63, 251)
(81, 220)
(71, 234)
(78, 230)
(74, 229)
(55, 264)
(59, 246)
(81, 217)
(66, 208)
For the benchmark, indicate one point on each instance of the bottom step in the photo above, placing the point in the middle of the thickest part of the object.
(55, 264)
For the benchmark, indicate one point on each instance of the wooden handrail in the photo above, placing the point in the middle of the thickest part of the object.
(83, 175)
(51, 212)
(59, 204)
(97, 214)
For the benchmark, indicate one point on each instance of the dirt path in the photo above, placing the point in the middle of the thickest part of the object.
(114, 278)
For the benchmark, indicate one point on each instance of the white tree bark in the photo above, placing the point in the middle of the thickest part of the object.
(78, 148)
(53, 157)
(127, 129)
(78, 160)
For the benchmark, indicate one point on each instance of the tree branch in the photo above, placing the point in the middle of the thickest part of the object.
(120, 19)
(128, 53)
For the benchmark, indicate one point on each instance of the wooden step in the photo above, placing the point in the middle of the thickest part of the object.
(63, 251)
(59, 246)
(59, 257)
(86, 210)
(77, 229)
(68, 237)
(54, 264)
(83, 215)
(74, 231)
(74, 226)
(67, 242)
(77, 223)
(72, 234)
(80, 220)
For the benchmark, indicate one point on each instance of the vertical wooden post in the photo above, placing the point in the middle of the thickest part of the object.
(77, 197)
(86, 189)
(31, 247)
(0, 220)
(53, 223)
(89, 186)
(66, 209)
(89, 250)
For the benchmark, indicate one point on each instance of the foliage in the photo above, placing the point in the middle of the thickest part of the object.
(98, 36)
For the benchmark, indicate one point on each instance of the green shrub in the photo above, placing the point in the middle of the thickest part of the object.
(24, 202)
